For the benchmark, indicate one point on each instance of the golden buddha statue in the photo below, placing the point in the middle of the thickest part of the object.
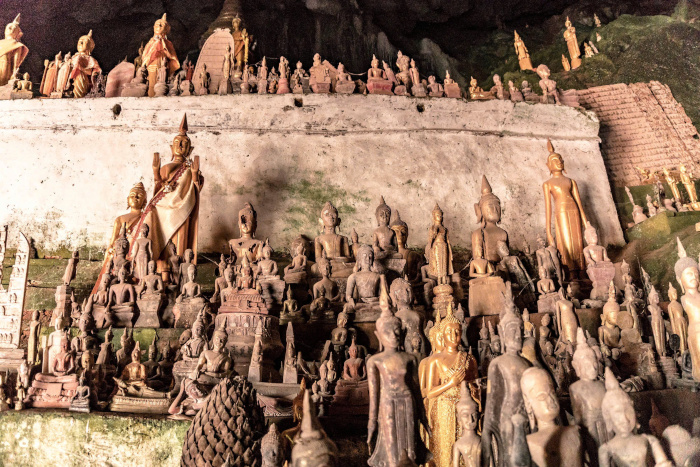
(477, 93)
(439, 250)
(688, 182)
(569, 216)
(12, 51)
(158, 47)
(523, 54)
(173, 212)
(688, 277)
(441, 386)
(84, 66)
(572, 44)
(241, 40)
(679, 325)
(672, 183)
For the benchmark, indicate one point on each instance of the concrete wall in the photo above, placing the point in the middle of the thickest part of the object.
(69, 164)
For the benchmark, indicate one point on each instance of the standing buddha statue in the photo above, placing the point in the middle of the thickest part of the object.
(158, 47)
(569, 216)
(173, 212)
(439, 250)
(241, 40)
(688, 277)
(12, 51)
(572, 44)
(84, 66)
(688, 182)
(523, 54)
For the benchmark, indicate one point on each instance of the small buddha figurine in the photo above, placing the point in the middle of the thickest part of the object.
(298, 78)
(364, 284)
(476, 93)
(498, 90)
(299, 261)
(679, 325)
(413, 260)
(572, 44)
(626, 449)
(504, 397)
(567, 321)
(12, 51)
(106, 355)
(84, 66)
(127, 345)
(587, 397)
(548, 257)
(672, 182)
(479, 266)
(395, 408)
(687, 275)
(290, 307)
(609, 332)
(544, 330)
(224, 87)
(354, 367)
(377, 80)
(266, 267)
(152, 367)
(488, 214)
(435, 89)
(551, 445)
(190, 289)
(152, 287)
(550, 93)
(247, 245)
(122, 296)
(33, 340)
(411, 321)
(658, 327)
(133, 376)
(384, 241)
(522, 53)
(194, 346)
(220, 282)
(567, 211)
(336, 247)
(339, 335)
(468, 447)
(545, 285)
(515, 94)
(183, 266)
(246, 280)
(63, 363)
(593, 253)
(311, 444)
(439, 250)
(159, 47)
(514, 267)
(142, 252)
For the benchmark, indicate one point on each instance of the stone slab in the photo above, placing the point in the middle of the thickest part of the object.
(288, 154)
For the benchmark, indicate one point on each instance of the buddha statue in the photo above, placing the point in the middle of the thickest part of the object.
(550, 93)
(84, 66)
(476, 93)
(311, 444)
(296, 270)
(513, 267)
(364, 286)
(133, 380)
(247, 245)
(325, 292)
(12, 51)
(122, 298)
(157, 48)
(196, 344)
(488, 214)
(142, 253)
(246, 280)
(33, 339)
(152, 367)
(688, 182)
(498, 90)
(658, 327)
(445, 374)
(241, 41)
(414, 260)
(266, 268)
(626, 449)
(48, 83)
(439, 250)
(180, 276)
(127, 345)
(377, 80)
(435, 89)
(572, 44)
(272, 448)
(566, 319)
(551, 445)
(687, 275)
(411, 321)
(300, 80)
(151, 296)
(354, 368)
(504, 397)
(384, 241)
(587, 396)
(515, 94)
(679, 325)
(548, 257)
(672, 182)
(337, 248)
(395, 409)
(289, 365)
(468, 447)
(173, 211)
(339, 336)
(522, 53)
(106, 355)
(290, 309)
(545, 285)
(568, 213)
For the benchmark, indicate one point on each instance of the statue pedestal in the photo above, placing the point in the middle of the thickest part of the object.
(400, 90)
(345, 87)
(419, 90)
(123, 316)
(272, 292)
(262, 86)
(380, 86)
(63, 303)
(186, 88)
(365, 312)
(290, 375)
(350, 398)
(186, 311)
(547, 303)
(283, 86)
(55, 392)
(149, 312)
(137, 90)
(321, 87)
(442, 298)
(601, 274)
(486, 296)
(183, 369)
(21, 95)
(140, 405)
(575, 63)
(452, 90)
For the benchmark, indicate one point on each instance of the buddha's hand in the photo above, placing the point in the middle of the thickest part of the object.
(156, 161)
(195, 164)
(458, 377)
(371, 435)
(355, 238)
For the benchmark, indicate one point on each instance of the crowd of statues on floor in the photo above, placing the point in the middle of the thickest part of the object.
(399, 352)
(223, 68)
(384, 327)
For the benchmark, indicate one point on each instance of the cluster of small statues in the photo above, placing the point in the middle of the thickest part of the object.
(678, 201)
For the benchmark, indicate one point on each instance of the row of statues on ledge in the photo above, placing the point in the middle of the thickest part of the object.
(659, 202)
(159, 73)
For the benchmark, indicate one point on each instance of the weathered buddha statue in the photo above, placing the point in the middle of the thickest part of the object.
(504, 397)
(337, 248)
(151, 296)
(513, 267)
(48, 84)
(498, 90)
(414, 260)
(196, 344)
(354, 368)
(127, 343)
(468, 447)
(609, 332)
(339, 336)
(272, 448)
(435, 89)
(687, 275)
(122, 298)
(179, 276)
(241, 41)
(84, 66)
(364, 287)
(290, 309)
(395, 408)
(658, 327)
(133, 380)
(152, 367)
(515, 94)
(523, 54)
(190, 289)
(12, 51)
(550, 93)
(266, 268)
(566, 319)
(488, 214)
(547, 292)
(445, 374)
(173, 212)
(325, 292)
(548, 257)
(626, 449)
(344, 83)
(296, 270)
(598, 266)
(377, 81)
(246, 280)
(157, 48)
(568, 213)
(679, 325)
(551, 445)
(311, 444)
(411, 321)
(247, 245)
(587, 397)
(384, 241)
(572, 44)
(439, 250)
(142, 253)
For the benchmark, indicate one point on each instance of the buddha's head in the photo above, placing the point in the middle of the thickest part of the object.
(382, 213)
(511, 331)
(546, 319)
(137, 197)
(590, 234)
(686, 269)
(218, 340)
(539, 396)
(266, 250)
(365, 258)
(484, 331)
(653, 296)
(401, 293)
(121, 276)
(341, 68)
(585, 361)
(161, 27)
(488, 210)
(145, 229)
(317, 59)
(86, 44)
(271, 447)
(567, 23)
(555, 163)
(324, 266)
(247, 221)
(451, 330)
(400, 229)
(104, 282)
(87, 361)
(182, 145)
(431, 79)
(228, 276)
(329, 216)
(375, 62)
(13, 31)
(543, 71)
(153, 350)
(191, 272)
(496, 80)
(189, 255)
(467, 410)
(342, 319)
(617, 407)
(198, 328)
(541, 242)
(388, 326)
(236, 23)
(136, 353)
(437, 215)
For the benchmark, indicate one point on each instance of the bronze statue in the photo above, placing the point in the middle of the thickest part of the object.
(679, 325)
(439, 250)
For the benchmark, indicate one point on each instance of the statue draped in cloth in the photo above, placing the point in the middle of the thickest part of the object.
(172, 213)
(158, 47)
(12, 51)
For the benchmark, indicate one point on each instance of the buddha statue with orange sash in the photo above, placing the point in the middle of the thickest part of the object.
(12, 51)
(158, 47)
(84, 66)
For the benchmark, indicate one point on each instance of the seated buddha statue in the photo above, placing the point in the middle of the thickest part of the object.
(337, 248)
(295, 272)
(326, 292)
(247, 245)
(190, 289)
(478, 94)
(122, 297)
(63, 363)
(266, 268)
(479, 266)
(190, 301)
(57, 384)
(377, 81)
(414, 260)
(152, 287)
(364, 287)
(132, 382)
(384, 241)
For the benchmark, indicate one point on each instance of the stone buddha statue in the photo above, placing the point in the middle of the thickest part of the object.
(290, 309)
(127, 345)
(122, 298)
(157, 48)
(84, 66)
(266, 268)
(354, 368)
(247, 245)
(687, 275)
(339, 335)
(488, 214)
(364, 286)
(384, 241)
(190, 289)
(550, 93)
(12, 51)
(547, 292)
(296, 270)
(336, 247)
(414, 260)
(513, 267)
(152, 287)
(196, 344)
(598, 266)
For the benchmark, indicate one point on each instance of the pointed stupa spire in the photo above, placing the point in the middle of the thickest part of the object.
(183, 126)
